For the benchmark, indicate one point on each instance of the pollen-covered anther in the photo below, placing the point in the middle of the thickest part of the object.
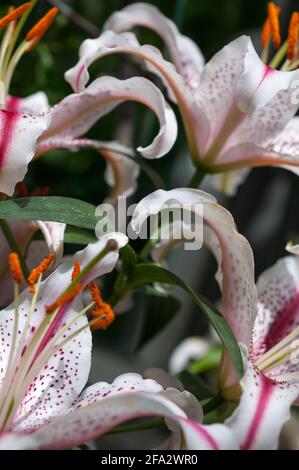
(76, 270)
(293, 35)
(36, 272)
(273, 17)
(66, 297)
(15, 268)
(14, 13)
(40, 28)
(103, 315)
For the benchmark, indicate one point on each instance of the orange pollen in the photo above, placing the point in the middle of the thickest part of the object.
(41, 27)
(35, 273)
(273, 12)
(293, 36)
(14, 14)
(76, 270)
(15, 268)
(103, 314)
(68, 296)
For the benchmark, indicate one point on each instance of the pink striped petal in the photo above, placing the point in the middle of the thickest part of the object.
(35, 104)
(262, 412)
(278, 312)
(183, 52)
(259, 84)
(61, 380)
(18, 136)
(96, 419)
(77, 113)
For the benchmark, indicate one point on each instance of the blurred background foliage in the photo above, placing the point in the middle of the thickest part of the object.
(265, 207)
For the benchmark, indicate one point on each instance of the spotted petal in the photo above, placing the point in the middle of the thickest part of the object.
(78, 112)
(278, 313)
(183, 52)
(61, 380)
(239, 292)
(94, 420)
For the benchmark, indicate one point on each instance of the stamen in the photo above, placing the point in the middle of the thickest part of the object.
(40, 28)
(103, 314)
(66, 297)
(266, 33)
(76, 270)
(293, 36)
(14, 14)
(274, 24)
(35, 273)
(15, 268)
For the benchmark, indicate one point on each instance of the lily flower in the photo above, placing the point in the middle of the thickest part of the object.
(238, 110)
(45, 362)
(263, 317)
(24, 136)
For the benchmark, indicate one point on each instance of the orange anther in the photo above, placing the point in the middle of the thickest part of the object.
(35, 273)
(68, 296)
(293, 36)
(273, 17)
(40, 28)
(14, 14)
(103, 314)
(76, 270)
(15, 268)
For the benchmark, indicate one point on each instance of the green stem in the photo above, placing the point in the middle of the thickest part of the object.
(197, 178)
(152, 424)
(13, 245)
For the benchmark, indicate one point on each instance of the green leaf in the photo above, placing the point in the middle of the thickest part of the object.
(147, 273)
(52, 208)
(128, 257)
(79, 236)
(159, 311)
(195, 385)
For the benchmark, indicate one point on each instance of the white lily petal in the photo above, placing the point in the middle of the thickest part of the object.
(183, 52)
(35, 104)
(259, 84)
(19, 133)
(77, 113)
(239, 292)
(96, 419)
(61, 380)
(188, 350)
(278, 313)
(262, 412)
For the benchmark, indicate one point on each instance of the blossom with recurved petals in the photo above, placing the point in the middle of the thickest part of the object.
(28, 130)
(45, 362)
(238, 110)
(263, 317)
